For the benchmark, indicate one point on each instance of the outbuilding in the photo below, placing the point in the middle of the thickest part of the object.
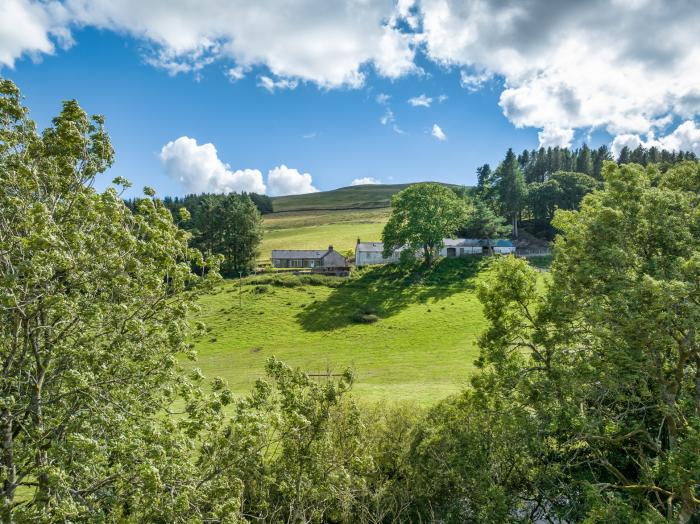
(307, 258)
(372, 253)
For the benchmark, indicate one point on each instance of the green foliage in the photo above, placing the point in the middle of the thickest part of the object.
(510, 188)
(606, 360)
(563, 190)
(421, 216)
(482, 222)
(94, 306)
(230, 226)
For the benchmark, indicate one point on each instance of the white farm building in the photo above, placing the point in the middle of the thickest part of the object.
(371, 253)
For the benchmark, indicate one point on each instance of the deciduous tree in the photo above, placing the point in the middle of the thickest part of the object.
(421, 216)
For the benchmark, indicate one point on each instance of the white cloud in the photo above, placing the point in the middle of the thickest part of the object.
(420, 101)
(382, 98)
(387, 117)
(235, 74)
(283, 180)
(281, 83)
(628, 67)
(607, 64)
(438, 133)
(199, 169)
(365, 181)
(555, 137)
(686, 137)
(328, 43)
(30, 28)
(473, 82)
(442, 98)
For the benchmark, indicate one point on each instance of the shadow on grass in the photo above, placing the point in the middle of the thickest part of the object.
(381, 292)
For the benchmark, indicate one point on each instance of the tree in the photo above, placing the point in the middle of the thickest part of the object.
(584, 162)
(94, 306)
(483, 180)
(511, 188)
(421, 216)
(483, 222)
(607, 360)
(229, 225)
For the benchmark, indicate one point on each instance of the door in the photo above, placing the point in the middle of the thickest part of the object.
(451, 252)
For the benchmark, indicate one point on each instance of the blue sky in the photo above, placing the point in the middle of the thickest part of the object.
(335, 135)
(499, 76)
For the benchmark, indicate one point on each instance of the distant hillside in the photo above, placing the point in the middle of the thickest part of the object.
(370, 196)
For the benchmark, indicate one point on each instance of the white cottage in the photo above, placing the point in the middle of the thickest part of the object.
(371, 253)
(457, 247)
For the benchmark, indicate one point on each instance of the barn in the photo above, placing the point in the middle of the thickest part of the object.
(307, 258)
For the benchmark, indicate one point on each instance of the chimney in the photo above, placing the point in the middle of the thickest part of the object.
(330, 248)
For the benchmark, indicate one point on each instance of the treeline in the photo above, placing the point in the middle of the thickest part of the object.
(227, 225)
(529, 187)
(191, 202)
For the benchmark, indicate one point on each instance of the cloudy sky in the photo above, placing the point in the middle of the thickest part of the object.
(293, 96)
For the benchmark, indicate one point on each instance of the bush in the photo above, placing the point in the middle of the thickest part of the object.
(365, 318)
(261, 289)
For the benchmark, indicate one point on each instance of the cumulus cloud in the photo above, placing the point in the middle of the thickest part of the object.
(610, 64)
(420, 101)
(438, 133)
(199, 169)
(327, 43)
(686, 137)
(365, 181)
(628, 67)
(30, 28)
(555, 137)
(283, 180)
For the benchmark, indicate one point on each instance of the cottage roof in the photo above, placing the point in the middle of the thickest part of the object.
(299, 253)
(463, 242)
(504, 243)
(370, 247)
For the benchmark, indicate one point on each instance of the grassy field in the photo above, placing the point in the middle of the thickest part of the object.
(407, 336)
(319, 229)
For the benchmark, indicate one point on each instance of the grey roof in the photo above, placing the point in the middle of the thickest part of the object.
(298, 253)
(462, 242)
(370, 247)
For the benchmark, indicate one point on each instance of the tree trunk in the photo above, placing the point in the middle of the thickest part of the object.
(428, 256)
(515, 225)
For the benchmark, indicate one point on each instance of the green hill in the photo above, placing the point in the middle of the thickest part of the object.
(367, 196)
(408, 336)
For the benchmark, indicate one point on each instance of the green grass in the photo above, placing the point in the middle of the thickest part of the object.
(421, 346)
(319, 229)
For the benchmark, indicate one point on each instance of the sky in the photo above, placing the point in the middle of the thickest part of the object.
(294, 96)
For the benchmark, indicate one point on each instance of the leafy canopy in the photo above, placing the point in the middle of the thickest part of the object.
(422, 215)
